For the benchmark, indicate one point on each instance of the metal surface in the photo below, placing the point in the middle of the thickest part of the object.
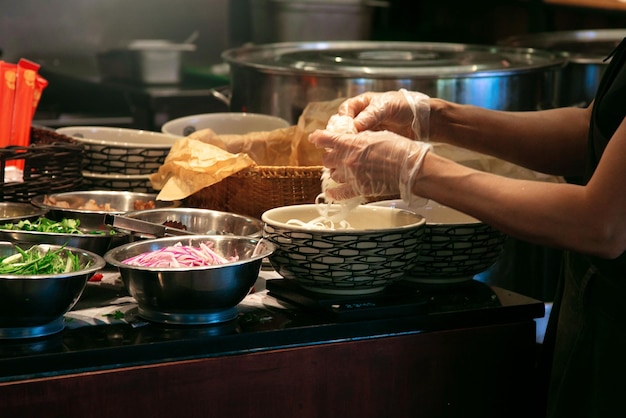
(198, 295)
(203, 221)
(30, 306)
(96, 243)
(281, 79)
(306, 20)
(14, 212)
(142, 227)
(120, 202)
(586, 52)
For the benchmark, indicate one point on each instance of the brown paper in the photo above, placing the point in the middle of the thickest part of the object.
(192, 165)
(265, 148)
(315, 116)
(205, 158)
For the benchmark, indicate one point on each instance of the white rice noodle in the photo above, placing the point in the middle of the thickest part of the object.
(333, 214)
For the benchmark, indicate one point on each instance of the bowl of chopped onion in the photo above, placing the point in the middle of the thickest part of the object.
(456, 245)
(39, 284)
(190, 280)
(328, 249)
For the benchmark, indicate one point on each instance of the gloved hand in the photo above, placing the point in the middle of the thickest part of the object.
(370, 163)
(403, 112)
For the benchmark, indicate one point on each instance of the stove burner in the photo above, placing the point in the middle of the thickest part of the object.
(399, 299)
(33, 332)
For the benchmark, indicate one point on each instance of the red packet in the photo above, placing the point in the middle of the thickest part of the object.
(40, 84)
(8, 73)
(23, 103)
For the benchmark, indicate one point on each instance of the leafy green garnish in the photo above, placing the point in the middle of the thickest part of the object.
(116, 315)
(36, 261)
(65, 226)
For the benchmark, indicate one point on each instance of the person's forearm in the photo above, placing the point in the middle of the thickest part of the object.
(550, 141)
(552, 214)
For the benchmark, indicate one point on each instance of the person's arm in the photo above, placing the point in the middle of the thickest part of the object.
(550, 141)
(589, 219)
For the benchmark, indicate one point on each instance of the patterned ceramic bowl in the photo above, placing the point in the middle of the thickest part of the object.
(110, 150)
(379, 248)
(456, 246)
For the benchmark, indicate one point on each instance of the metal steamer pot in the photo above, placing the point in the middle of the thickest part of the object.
(282, 78)
(586, 52)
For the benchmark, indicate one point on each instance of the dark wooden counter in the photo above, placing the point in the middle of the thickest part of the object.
(290, 363)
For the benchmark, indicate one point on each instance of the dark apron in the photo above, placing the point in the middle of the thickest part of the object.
(587, 330)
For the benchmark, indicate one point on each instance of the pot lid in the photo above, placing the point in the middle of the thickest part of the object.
(589, 45)
(392, 59)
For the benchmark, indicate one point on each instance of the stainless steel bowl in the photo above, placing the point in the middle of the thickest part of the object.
(198, 295)
(14, 212)
(120, 202)
(203, 221)
(34, 305)
(96, 243)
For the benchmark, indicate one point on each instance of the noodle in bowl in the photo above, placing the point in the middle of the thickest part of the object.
(372, 248)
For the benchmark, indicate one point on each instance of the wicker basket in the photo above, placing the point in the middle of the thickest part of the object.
(51, 164)
(253, 191)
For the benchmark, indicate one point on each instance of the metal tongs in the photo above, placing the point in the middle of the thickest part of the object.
(143, 228)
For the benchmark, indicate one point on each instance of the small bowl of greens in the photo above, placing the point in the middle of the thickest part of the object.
(67, 232)
(39, 284)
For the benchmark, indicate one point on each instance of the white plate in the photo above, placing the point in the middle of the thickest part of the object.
(119, 137)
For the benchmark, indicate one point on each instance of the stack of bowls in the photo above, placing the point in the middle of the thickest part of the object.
(120, 158)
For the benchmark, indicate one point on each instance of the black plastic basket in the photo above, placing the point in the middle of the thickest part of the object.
(51, 164)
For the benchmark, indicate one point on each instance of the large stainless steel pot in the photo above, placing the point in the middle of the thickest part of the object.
(585, 50)
(282, 78)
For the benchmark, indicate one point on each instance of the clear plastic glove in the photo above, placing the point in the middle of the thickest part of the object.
(370, 163)
(404, 112)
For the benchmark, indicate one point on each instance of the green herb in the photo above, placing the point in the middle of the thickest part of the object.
(116, 315)
(65, 226)
(37, 260)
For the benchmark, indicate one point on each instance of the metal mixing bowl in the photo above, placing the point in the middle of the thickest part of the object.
(193, 295)
(203, 221)
(34, 305)
(96, 243)
(14, 212)
(121, 202)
